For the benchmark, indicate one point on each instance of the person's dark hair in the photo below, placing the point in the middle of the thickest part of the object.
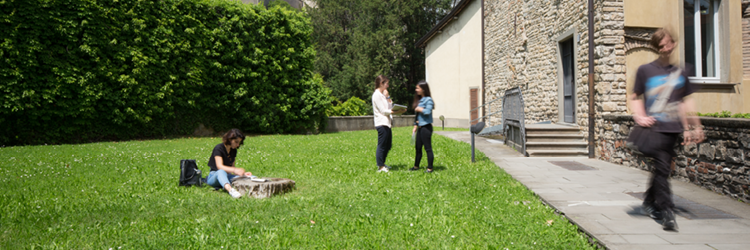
(231, 135)
(380, 80)
(425, 91)
(658, 36)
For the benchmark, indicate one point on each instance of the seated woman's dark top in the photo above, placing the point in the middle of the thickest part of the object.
(227, 158)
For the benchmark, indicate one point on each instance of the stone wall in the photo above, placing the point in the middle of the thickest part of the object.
(721, 163)
(521, 49)
(353, 123)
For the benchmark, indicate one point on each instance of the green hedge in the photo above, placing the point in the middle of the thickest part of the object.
(88, 70)
(352, 107)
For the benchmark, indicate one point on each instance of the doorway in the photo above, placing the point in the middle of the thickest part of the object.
(568, 80)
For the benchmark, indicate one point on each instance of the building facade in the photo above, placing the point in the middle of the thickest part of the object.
(541, 47)
(453, 64)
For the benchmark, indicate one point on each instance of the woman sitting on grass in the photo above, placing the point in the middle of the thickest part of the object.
(221, 162)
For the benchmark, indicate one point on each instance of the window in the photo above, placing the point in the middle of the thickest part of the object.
(702, 39)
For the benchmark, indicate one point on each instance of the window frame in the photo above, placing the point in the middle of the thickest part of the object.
(699, 46)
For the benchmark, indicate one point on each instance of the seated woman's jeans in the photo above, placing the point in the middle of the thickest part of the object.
(219, 178)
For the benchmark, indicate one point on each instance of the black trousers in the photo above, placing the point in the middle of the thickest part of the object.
(424, 138)
(662, 151)
(385, 141)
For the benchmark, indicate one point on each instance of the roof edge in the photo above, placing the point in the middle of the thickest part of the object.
(443, 22)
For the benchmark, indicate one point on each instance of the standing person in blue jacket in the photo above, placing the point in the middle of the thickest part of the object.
(381, 110)
(423, 106)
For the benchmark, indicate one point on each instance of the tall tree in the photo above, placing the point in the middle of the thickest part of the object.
(358, 40)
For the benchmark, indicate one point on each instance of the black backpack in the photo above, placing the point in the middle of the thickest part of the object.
(190, 174)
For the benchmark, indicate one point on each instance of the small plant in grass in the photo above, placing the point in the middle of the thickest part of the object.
(124, 195)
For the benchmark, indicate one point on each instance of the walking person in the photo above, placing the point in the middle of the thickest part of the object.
(665, 110)
(222, 162)
(381, 110)
(423, 106)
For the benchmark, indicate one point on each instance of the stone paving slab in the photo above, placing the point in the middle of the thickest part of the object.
(598, 201)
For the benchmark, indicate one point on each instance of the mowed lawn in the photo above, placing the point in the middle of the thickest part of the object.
(124, 195)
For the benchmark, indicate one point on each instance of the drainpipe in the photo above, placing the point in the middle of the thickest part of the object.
(484, 112)
(591, 79)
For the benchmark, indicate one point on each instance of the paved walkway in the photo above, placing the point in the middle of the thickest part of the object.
(603, 202)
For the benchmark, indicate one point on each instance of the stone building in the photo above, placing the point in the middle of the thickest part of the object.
(541, 48)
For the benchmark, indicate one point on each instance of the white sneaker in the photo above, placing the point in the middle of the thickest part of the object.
(383, 169)
(234, 193)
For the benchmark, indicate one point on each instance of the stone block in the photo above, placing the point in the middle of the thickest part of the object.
(707, 151)
(690, 150)
(734, 155)
(702, 170)
(624, 130)
(709, 166)
(745, 140)
(620, 77)
(681, 161)
(711, 134)
(720, 151)
(609, 106)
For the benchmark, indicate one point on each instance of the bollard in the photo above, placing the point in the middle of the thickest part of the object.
(475, 129)
(442, 119)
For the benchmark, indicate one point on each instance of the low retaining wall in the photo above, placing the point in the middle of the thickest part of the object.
(352, 123)
(720, 163)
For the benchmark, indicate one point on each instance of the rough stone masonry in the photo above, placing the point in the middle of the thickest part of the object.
(521, 50)
(721, 163)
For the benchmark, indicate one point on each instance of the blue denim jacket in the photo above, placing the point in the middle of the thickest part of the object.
(425, 117)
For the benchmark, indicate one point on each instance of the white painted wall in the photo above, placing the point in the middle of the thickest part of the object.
(453, 65)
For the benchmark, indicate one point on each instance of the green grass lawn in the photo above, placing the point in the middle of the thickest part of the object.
(124, 195)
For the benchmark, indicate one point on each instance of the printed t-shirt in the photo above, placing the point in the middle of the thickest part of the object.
(663, 88)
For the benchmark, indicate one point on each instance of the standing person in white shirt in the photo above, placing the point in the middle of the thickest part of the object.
(381, 110)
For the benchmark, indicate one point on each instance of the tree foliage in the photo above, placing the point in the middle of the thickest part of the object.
(86, 70)
(358, 40)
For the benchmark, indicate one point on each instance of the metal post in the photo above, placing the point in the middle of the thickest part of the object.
(475, 129)
(592, 126)
(472, 147)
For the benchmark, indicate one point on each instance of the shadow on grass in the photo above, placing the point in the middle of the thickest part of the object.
(402, 167)
(439, 168)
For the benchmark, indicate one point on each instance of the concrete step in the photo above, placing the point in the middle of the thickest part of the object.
(556, 145)
(552, 131)
(557, 153)
(563, 130)
(554, 137)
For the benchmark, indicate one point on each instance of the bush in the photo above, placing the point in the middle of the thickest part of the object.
(352, 107)
(725, 114)
(87, 70)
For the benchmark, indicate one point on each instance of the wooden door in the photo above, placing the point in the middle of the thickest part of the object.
(474, 103)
